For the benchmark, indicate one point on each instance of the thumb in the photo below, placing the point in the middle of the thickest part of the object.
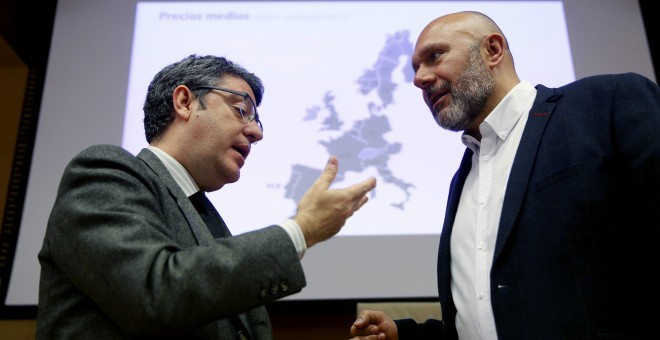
(329, 174)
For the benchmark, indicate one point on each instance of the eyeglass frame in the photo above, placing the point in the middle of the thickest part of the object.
(245, 96)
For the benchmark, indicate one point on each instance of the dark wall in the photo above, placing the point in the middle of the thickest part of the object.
(652, 26)
(26, 25)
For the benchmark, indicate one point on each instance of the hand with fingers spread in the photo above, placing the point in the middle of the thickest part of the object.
(322, 212)
(374, 325)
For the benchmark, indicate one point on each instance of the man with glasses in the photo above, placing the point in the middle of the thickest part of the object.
(134, 249)
(247, 109)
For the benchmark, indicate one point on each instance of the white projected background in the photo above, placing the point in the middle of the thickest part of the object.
(338, 82)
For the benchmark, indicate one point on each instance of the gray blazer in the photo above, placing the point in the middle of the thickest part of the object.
(126, 255)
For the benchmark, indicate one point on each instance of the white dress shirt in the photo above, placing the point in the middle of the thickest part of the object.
(189, 187)
(477, 219)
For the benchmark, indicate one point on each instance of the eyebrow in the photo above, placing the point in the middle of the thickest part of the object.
(433, 46)
(427, 49)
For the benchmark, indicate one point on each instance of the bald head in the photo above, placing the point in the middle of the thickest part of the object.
(469, 26)
(463, 65)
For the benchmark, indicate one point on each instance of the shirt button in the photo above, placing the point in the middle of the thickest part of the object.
(481, 295)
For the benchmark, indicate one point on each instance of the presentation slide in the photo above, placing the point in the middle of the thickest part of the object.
(338, 82)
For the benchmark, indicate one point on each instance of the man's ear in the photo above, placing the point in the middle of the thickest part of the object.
(494, 49)
(182, 99)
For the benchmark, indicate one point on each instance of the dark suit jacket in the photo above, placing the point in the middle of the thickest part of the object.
(126, 255)
(575, 253)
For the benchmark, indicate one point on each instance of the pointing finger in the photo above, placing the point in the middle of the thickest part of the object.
(329, 173)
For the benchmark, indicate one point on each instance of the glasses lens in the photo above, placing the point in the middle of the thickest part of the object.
(249, 110)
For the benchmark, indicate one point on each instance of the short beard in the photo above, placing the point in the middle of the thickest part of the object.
(469, 94)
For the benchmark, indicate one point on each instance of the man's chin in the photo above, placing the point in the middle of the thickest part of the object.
(441, 120)
(451, 125)
(235, 178)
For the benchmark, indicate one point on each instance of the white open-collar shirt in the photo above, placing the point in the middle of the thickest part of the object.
(477, 219)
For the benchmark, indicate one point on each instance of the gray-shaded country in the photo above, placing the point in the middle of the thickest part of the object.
(379, 77)
(332, 121)
(312, 113)
(363, 146)
(302, 178)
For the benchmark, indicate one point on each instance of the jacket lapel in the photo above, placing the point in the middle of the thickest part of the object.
(523, 163)
(455, 189)
(444, 254)
(197, 226)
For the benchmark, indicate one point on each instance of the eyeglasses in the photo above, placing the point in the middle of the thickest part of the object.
(247, 109)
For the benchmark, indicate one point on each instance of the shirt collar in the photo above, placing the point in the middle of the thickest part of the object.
(178, 172)
(505, 115)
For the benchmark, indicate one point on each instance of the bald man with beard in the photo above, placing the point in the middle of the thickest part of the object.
(553, 214)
